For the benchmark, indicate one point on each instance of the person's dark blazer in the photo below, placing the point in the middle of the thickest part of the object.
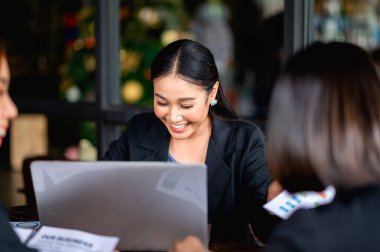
(9, 241)
(351, 223)
(238, 179)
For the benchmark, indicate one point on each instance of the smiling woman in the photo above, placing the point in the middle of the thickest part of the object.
(193, 122)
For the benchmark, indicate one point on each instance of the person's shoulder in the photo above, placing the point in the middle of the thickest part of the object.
(141, 123)
(240, 125)
(360, 205)
(243, 128)
(146, 118)
(297, 233)
(306, 228)
(303, 217)
(244, 124)
(314, 220)
(243, 134)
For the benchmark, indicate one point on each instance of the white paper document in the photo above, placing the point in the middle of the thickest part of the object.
(25, 229)
(284, 204)
(51, 239)
(23, 233)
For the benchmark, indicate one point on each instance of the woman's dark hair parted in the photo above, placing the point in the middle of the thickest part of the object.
(195, 64)
(324, 125)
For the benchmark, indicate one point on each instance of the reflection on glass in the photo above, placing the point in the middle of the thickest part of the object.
(146, 26)
(180, 183)
(354, 21)
(77, 71)
(246, 40)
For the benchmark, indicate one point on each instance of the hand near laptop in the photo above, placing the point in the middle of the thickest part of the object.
(194, 244)
(188, 244)
(274, 189)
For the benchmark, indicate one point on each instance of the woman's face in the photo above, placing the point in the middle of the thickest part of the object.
(183, 107)
(8, 110)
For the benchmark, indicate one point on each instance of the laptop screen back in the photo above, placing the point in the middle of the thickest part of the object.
(147, 205)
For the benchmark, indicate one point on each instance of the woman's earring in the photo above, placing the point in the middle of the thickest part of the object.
(213, 102)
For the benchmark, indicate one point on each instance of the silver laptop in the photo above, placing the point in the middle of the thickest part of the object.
(147, 205)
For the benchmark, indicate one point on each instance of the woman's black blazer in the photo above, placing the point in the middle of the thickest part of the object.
(238, 179)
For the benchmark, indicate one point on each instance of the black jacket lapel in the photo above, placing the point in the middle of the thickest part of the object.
(155, 146)
(156, 143)
(220, 149)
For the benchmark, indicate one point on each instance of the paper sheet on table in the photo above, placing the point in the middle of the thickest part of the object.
(23, 233)
(51, 239)
(284, 204)
(24, 229)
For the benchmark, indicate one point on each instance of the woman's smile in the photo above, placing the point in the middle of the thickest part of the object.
(179, 128)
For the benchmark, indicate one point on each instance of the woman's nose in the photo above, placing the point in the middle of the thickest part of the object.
(11, 110)
(174, 115)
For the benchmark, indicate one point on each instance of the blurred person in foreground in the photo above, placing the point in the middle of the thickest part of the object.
(324, 129)
(9, 241)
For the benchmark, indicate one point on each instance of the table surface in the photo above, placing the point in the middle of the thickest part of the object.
(29, 213)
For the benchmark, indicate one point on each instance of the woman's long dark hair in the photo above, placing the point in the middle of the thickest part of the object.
(195, 64)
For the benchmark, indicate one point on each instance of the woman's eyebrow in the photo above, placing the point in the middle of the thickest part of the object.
(187, 99)
(179, 99)
(160, 96)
